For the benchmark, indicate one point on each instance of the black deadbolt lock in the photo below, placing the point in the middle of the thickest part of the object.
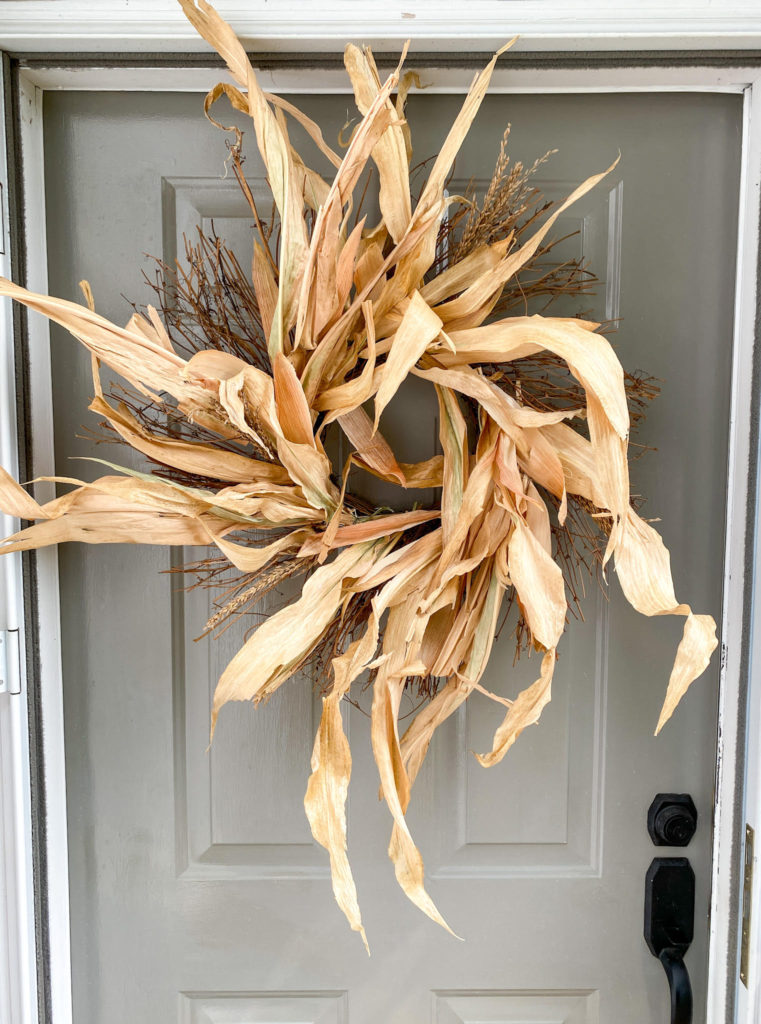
(672, 819)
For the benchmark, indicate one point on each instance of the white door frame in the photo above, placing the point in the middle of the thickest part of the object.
(739, 639)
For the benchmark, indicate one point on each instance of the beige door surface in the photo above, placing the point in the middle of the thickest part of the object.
(197, 894)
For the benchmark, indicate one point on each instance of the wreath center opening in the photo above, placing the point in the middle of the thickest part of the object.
(410, 425)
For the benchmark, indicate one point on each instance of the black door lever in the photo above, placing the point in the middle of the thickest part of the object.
(669, 917)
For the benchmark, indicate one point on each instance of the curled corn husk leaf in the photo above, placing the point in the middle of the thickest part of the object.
(344, 313)
(325, 805)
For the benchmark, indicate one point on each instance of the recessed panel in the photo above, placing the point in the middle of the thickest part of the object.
(263, 1008)
(575, 1007)
(243, 796)
(539, 810)
(240, 802)
(589, 232)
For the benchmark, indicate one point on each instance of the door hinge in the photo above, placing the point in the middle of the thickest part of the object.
(747, 906)
(10, 661)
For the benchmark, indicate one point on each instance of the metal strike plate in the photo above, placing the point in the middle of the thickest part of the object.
(747, 901)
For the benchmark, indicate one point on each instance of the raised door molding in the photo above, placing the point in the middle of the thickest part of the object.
(157, 26)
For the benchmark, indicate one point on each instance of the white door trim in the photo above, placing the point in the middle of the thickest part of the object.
(742, 454)
(47, 74)
(739, 572)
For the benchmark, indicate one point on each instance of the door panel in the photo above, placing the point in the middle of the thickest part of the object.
(272, 1008)
(197, 892)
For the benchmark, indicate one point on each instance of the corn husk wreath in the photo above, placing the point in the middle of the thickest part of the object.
(347, 315)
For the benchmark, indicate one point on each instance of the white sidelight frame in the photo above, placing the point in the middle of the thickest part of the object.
(36, 26)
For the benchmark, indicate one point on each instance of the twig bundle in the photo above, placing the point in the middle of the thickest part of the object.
(534, 428)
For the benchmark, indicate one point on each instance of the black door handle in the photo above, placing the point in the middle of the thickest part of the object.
(679, 985)
(669, 917)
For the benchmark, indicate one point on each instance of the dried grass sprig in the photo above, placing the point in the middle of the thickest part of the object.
(207, 300)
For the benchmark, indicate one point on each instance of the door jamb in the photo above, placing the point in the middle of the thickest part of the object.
(739, 638)
(54, 960)
(18, 980)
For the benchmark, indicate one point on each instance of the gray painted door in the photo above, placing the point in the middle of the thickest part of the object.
(196, 892)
